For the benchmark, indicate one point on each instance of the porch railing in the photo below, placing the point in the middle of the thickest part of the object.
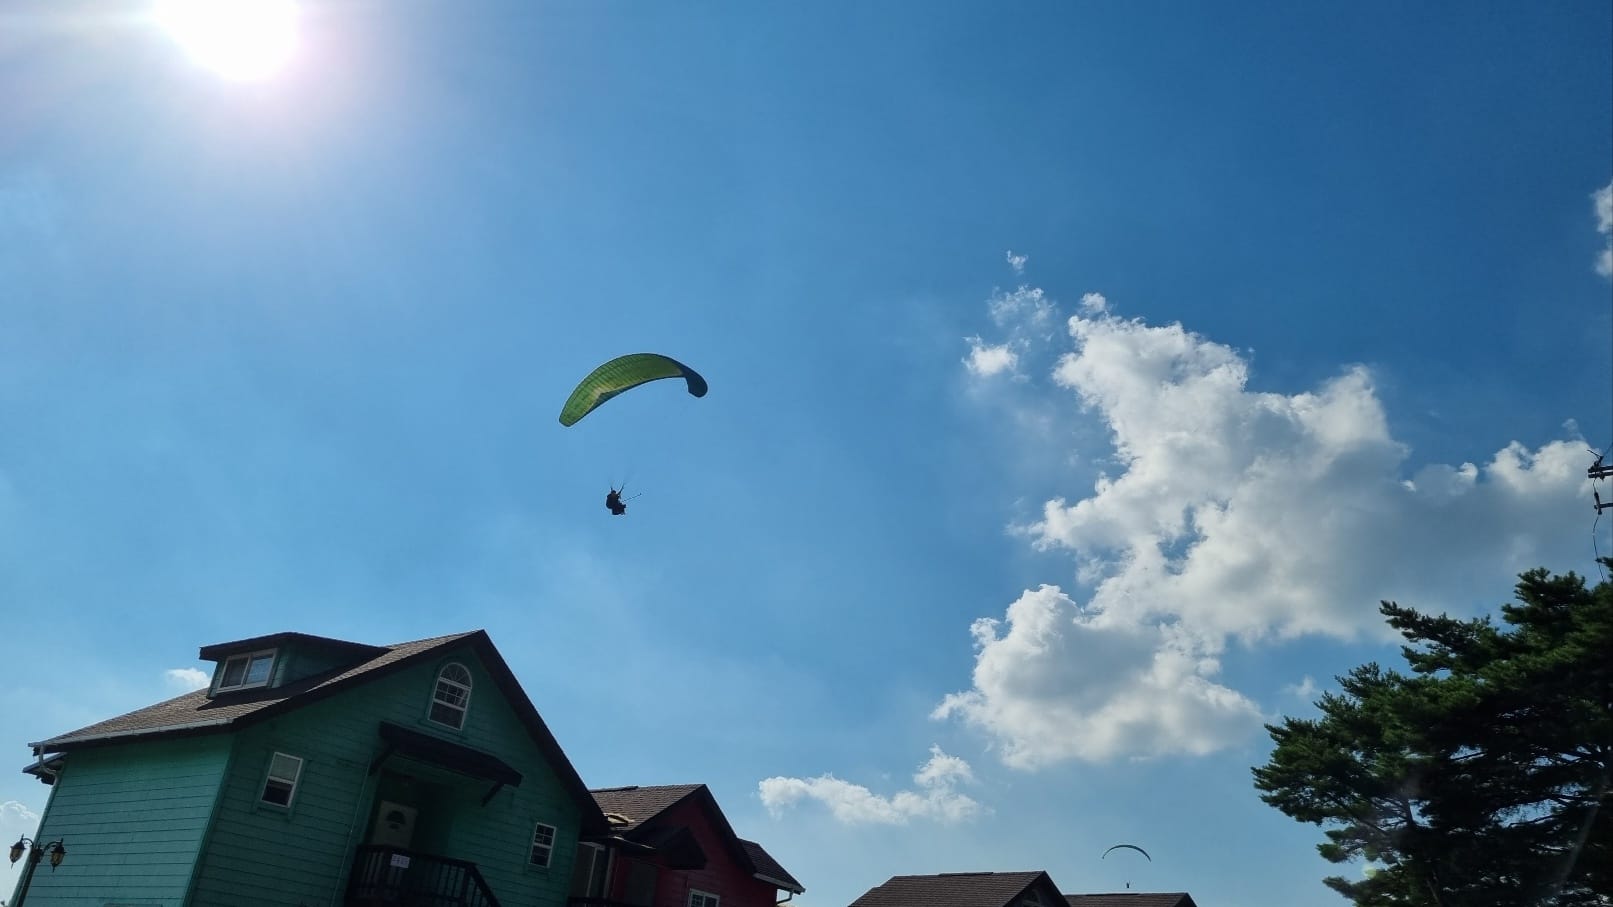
(392, 877)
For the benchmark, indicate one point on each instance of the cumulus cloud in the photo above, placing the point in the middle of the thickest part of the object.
(986, 359)
(1062, 683)
(1027, 317)
(1234, 515)
(1017, 262)
(936, 797)
(187, 679)
(1603, 201)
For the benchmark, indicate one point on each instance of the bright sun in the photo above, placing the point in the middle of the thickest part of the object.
(238, 39)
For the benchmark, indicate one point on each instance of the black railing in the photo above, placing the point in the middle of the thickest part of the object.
(391, 877)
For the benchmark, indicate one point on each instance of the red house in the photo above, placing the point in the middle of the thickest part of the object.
(671, 846)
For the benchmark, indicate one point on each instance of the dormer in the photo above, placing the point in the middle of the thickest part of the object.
(265, 662)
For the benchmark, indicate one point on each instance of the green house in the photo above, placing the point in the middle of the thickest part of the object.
(315, 772)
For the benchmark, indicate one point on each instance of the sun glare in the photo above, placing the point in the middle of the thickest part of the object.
(238, 39)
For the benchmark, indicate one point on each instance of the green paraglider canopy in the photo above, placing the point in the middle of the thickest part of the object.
(622, 374)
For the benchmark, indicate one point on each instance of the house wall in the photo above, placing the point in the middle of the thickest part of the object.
(133, 818)
(261, 854)
(295, 662)
(724, 875)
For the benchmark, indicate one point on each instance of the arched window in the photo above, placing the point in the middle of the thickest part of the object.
(452, 696)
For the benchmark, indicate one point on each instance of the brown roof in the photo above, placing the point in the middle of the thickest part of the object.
(641, 805)
(950, 889)
(1131, 899)
(194, 713)
(769, 867)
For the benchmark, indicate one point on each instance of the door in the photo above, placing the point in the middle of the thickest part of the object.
(393, 825)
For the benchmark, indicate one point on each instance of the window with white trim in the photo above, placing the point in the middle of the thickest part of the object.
(242, 671)
(451, 697)
(281, 784)
(702, 898)
(542, 845)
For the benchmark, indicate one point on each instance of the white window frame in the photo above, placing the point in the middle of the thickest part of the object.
(698, 898)
(548, 849)
(269, 777)
(246, 669)
(436, 686)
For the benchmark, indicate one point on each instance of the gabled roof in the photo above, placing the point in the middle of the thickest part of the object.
(768, 869)
(638, 805)
(1131, 899)
(194, 713)
(951, 889)
(633, 812)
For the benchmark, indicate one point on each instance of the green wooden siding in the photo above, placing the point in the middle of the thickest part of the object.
(260, 854)
(294, 662)
(133, 818)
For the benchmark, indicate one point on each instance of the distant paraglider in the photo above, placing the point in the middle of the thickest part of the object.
(1131, 847)
(623, 374)
(1127, 847)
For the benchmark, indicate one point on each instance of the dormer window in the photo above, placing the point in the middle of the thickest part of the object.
(451, 697)
(243, 671)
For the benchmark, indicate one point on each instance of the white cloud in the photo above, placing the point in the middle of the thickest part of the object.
(1603, 200)
(936, 797)
(1231, 514)
(1064, 683)
(187, 679)
(1305, 689)
(1017, 262)
(1025, 309)
(1094, 303)
(986, 360)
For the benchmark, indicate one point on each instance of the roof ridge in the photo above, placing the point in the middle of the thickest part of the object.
(433, 640)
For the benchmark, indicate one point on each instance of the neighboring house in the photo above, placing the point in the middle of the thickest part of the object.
(672, 846)
(1131, 899)
(314, 771)
(965, 889)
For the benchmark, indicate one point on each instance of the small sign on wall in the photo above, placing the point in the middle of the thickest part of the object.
(400, 861)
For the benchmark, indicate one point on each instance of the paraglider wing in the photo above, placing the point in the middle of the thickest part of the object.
(1131, 846)
(622, 374)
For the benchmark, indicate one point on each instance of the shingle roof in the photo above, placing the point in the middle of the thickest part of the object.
(640, 804)
(194, 712)
(767, 866)
(1131, 899)
(949, 889)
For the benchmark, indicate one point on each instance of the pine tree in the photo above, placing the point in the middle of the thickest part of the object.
(1481, 777)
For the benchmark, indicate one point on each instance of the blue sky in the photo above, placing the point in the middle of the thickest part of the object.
(1081, 375)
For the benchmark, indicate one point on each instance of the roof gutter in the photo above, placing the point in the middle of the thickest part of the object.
(53, 746)
(794, 888)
